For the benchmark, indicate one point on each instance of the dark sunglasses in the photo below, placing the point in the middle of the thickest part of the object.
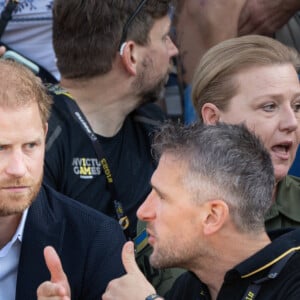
(128, 23)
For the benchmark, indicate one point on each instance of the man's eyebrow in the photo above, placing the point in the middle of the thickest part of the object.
(37, 140)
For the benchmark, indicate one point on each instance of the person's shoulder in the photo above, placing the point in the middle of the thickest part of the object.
(64, 202)
(285, 211)
(292, 180)
(59, 96)
(149, 114)
(289, 186)
(289, 281)
(186, 286)
(75, 211)
(286, 234)
(90, 240)
(60, 123)
(186, 279)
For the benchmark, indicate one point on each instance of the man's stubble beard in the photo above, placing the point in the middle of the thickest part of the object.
(149, 89)
(22, 202)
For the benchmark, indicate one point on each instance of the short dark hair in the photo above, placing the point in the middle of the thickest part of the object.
(224, 161)
(87, 33)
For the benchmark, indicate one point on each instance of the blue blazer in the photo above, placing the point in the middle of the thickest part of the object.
(88, 242)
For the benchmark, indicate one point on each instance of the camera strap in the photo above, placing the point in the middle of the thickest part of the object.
(83, 122)
(6, 14)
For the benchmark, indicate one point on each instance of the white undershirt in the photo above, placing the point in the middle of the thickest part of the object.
(9, 261)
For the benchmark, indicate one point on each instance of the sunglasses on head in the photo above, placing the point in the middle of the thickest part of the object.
(127, 24)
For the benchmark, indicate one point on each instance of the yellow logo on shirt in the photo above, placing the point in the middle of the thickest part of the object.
(86, 168)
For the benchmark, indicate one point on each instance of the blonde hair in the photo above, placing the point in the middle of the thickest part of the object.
(213, 80)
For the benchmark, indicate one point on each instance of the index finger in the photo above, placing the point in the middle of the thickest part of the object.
(54, 265)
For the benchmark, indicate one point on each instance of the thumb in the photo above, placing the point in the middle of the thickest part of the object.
(2, 50)
(128, 259)
(54, 265)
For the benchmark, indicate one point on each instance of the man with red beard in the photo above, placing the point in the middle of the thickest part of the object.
(33, 216)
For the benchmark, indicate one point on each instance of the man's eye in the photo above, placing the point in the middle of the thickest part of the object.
(269, 107)
(296, 107)
(31, 145)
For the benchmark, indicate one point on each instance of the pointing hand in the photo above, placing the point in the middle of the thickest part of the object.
(133, 285)
(58, 287)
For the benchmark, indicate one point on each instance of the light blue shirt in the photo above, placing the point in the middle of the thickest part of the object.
(9, 261)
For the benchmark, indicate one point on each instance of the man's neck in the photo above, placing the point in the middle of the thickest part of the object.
(104, 101)
(8, 227)
(212, 273)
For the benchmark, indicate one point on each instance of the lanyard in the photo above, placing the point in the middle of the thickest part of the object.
(81, 119)
(255, 286)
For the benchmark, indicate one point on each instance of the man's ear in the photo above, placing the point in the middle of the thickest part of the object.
(217, 212)
(129, 56)
(210, 114)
